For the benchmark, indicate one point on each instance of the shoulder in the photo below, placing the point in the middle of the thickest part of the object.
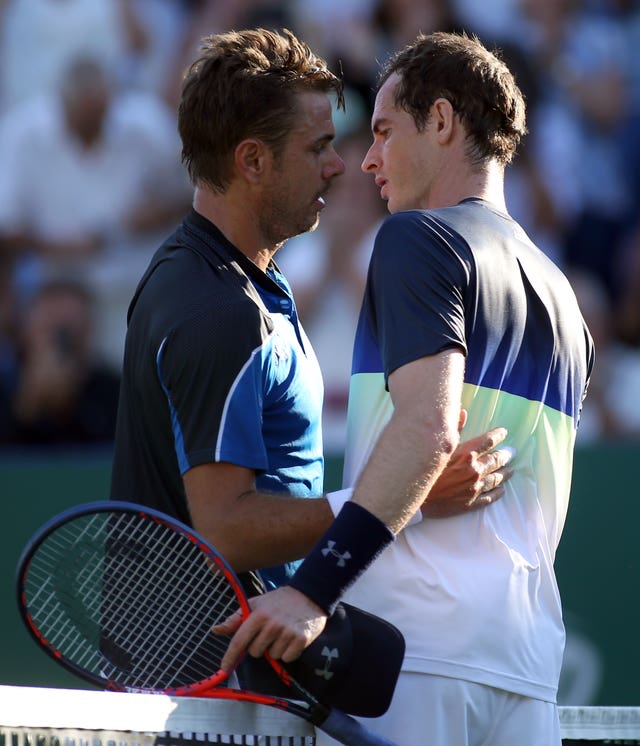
(231, 321)
(196, 286)
(420, 235)
(419, 226)
(191, 289)
(400, 223)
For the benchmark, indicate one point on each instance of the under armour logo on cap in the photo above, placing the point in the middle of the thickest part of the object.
(354, 649)
(342, 558)
(328, 654)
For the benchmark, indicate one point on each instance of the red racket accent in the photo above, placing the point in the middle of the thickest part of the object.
(126, 597)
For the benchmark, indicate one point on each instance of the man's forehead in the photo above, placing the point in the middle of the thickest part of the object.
(313, 111)
(385, 102)
(313, 103)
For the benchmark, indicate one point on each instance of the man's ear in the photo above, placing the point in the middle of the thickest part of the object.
(444, 120)
(252, 158)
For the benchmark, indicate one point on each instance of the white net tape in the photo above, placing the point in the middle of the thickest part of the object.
(32, 716)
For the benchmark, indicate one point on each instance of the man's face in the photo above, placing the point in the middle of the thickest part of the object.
(87, 110)
(401, 158)
(303, 173)
(57, 319)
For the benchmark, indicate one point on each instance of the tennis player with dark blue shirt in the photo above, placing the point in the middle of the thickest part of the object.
(229, 377)
(219, 416)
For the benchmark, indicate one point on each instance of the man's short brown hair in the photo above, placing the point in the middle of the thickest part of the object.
(243, 85)
(480, 87)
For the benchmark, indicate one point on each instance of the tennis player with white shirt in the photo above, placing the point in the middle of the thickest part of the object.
(460, 307)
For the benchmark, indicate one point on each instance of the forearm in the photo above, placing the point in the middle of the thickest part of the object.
(393, 486)
(407, 460)
(257, 530)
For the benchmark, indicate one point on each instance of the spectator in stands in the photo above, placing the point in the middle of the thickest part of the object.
(39, 38)
(162, 25)
(494, 20)
(597, 420)
(59, 393)
(209, 17)
(398, 20)
(627, 307)
(89, 179)
(612, 409)
(576, 179)
(8, 321)
(577, 132)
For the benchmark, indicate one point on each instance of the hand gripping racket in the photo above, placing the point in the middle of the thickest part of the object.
(125, 597)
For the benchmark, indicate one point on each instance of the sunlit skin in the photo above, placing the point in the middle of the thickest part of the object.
(413, 168)
(303, 174)
(271, 199)
(400, 157)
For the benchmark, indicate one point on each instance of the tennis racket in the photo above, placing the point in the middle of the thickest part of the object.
(125, 597)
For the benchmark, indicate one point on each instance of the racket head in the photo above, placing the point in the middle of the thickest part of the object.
(125, 597)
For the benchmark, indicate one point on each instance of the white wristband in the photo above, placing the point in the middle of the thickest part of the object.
(338, 498)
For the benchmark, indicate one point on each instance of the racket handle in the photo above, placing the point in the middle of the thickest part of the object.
(350, 732)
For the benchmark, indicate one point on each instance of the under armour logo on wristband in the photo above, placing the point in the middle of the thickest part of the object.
(329, 655)
(353, 527)
(342, 558)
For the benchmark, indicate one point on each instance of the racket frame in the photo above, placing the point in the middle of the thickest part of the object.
(341, 726)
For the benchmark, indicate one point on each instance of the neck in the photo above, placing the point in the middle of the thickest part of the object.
(456, 185)
(235, 219)
(489, 185)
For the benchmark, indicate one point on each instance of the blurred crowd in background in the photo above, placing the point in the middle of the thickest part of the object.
(91, 182)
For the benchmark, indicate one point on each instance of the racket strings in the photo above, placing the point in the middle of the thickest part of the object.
(131, 600)
(55, 603)
(168, 599)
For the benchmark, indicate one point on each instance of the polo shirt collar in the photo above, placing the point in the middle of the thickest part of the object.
(233, 254)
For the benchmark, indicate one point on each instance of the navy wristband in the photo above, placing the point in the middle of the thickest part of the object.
(352, 542)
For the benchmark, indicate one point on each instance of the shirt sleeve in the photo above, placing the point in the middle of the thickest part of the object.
(416, 289)
(211, 369)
